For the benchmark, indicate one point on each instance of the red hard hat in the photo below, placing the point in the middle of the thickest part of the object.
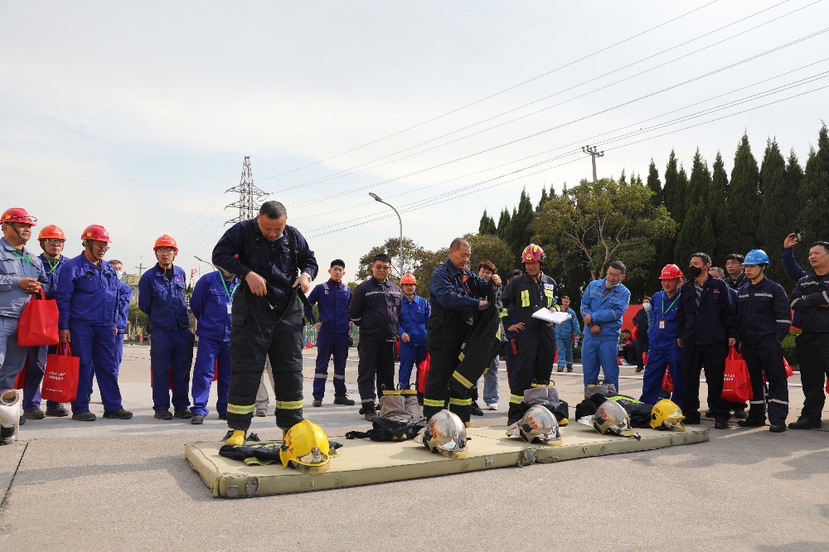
(96, 232)
(670, 272)
(164, 242)
(51, 232)
(18, 215)
(532, 254)
(407, 279)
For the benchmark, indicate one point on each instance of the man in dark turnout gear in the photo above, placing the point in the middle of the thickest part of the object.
(276, 264)
(453, 296)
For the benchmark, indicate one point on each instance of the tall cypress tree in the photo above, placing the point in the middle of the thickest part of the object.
(742, 206)
(794, 179)
(487, 225)
(719, 191)
(622, 179)
(544, 198)
(503, 224)
(654, 184)
(776, 212)
(695, 234)
(671, 192)
(518, 231)
(814, 192)
(699, 186)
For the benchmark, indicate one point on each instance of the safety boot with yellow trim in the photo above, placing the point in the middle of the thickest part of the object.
(237, 438)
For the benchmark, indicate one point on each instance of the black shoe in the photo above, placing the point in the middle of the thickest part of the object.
(475, 410)
(317, 402)
(804, 423)
(569, 368)
(119, 414)
(84, 417)
(708, 414)
(223, 416)
(740, 414)
(57, 412)
(22, 420)
(720, 424)
(163, 415)
(369, 414)
(639, 369)
(560, 370)
(748, 422)
(343, 400)
(183, 414)
(692, 421)
(197, 420)
(777, 428)
(36, 414)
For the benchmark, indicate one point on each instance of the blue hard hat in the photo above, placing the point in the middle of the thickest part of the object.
(756, 257)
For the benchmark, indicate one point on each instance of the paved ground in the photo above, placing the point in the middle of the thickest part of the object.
(125, 485)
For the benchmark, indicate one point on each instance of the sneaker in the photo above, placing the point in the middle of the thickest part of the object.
(163, 415)
(344, 400)
(37, 414)
(197, 420)
(492, 406)
(777, 428)
(183, 414)
(119, 414)
(261, 412)
(84, 417)
(720, 424)
(740, 414)
(475, 410)
(748, 422)
(57, 412)
(317, 402)
(804, 423)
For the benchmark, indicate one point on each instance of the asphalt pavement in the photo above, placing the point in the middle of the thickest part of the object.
(126, 485)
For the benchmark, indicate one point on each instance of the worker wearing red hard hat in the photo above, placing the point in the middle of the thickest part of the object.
(663, 349)
(414, 316)
(88, 296)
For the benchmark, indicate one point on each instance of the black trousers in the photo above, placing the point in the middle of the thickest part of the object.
(711, 358)
(766, 357)
(813, 356)
(375, 368)
(259, 332)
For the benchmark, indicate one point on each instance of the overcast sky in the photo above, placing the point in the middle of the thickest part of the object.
(138, 115)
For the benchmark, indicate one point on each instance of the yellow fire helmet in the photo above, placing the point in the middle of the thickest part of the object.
(306, 448)
(612, 418)
(667, 415)
(446, 435)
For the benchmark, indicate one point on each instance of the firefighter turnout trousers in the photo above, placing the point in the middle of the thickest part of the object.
(259, 332)
(536, 353)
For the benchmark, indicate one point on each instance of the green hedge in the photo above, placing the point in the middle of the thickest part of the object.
(789, 350)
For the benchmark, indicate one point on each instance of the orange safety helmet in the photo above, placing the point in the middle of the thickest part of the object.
(407, 279)
(96, 232)
(51, 232)
(18, 215)
(670, 272)
(533, 254)
(165, 241)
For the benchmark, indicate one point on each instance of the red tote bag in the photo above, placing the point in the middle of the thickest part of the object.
(38, 326)
(60, 383)
(736, 381)
(668, 380)
(423, 373)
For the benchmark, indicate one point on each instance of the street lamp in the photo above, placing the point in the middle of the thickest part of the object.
(376, 198)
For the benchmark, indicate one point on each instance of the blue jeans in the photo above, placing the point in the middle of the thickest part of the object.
(35, 371)
(12, 357)
(491, 382)
(600, 353)
(564, 346)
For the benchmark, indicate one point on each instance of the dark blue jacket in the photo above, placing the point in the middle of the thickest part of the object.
(123, 315)
(713, 321)
(52, 269)
(86, 294)
(454, 298)
(662, 336)
(163, 300)
(763, 312)
(414, 316)
(243, 249)
(333, 300)
(209, 303)
(810, 299)
(375, 308)
(525, 296)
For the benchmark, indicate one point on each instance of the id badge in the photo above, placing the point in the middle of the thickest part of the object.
(229, 308)
(661, 324)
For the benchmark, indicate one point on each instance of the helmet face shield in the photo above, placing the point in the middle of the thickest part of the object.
(667, 415)
(446, 435)
(612, 418)
(538, 424)
(306, 448)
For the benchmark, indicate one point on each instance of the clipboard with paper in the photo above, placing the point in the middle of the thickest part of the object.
(553, 317)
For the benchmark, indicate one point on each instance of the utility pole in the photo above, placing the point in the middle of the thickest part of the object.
(140, 266)
(593, 153)
(250, 197)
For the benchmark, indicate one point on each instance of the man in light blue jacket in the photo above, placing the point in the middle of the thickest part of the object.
(567, 334)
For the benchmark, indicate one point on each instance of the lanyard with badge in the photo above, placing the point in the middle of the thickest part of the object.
(664, 312)
(230, 292)
(24, 257)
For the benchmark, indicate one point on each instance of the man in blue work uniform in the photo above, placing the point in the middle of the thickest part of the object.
(536, 340)
(602, 307)
(88, 300)
(414, 317)
(707, 328)
(764, 319)
(21, 275)
(454, 291)
(567, 335)
(161, 297)
(277, 265)
(375, 309)
(663, 349)
(51, 240)
(211, 304)
(124, 300)
(810, 301)
(333, 298)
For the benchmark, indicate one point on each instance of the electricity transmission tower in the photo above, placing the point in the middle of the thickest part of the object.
(250, 197)
(593, 152)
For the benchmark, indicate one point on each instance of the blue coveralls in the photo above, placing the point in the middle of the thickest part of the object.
(88, 302)
(36, 356)
(333, 300)
(414, 316)
(124, 299)
(664, 351)
(14, 265)
(607, 307)
(210, 303)
(171, 344)
(564, 340)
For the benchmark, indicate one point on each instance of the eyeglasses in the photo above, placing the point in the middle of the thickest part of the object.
(55, 242)
(382, 267)
(169, 250)
(100, 247)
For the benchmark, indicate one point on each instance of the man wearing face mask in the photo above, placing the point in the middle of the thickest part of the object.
(161, 297)
(124, 299)
(707, 328)
(602, 307)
